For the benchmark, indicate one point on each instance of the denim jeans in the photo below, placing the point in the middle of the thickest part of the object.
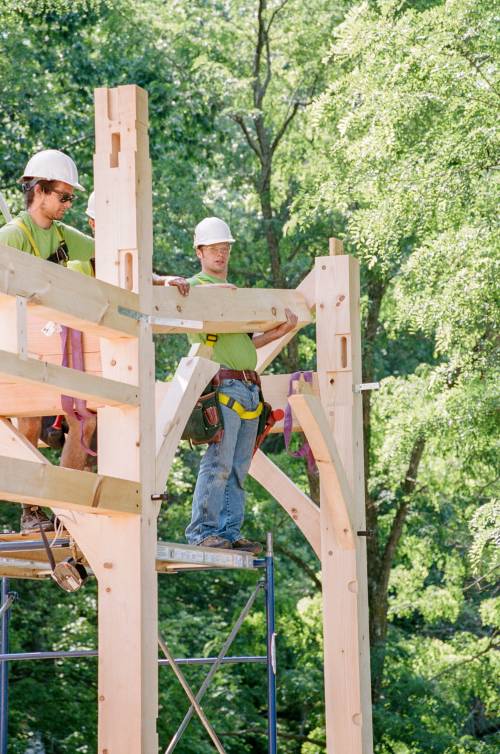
(219, 499)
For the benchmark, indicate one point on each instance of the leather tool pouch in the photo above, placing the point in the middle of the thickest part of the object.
(205, 425)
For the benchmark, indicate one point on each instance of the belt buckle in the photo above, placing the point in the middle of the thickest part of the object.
(245, 378)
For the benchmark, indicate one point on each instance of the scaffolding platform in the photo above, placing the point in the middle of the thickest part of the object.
(23, 556)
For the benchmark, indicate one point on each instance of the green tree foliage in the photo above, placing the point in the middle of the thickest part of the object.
(374, 122)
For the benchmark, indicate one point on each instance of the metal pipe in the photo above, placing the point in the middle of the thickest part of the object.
(203, 718)
(271, 650)
(61, 655)
(220, 658)
(4, 666)
(31, 545)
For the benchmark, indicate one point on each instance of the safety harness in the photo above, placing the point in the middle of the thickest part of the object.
(75, 407)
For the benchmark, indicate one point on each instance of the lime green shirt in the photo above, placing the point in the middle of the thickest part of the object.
(47, 240)
(232, 350)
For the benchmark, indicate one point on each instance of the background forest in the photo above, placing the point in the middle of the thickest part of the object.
(373, 122)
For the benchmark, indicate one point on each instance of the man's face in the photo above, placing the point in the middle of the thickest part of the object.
(55, 204)
(214, 258)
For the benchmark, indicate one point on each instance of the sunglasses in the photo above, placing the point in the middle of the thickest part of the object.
(64, 197)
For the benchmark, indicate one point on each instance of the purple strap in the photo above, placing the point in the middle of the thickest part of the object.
(75, 407)
(304, 451)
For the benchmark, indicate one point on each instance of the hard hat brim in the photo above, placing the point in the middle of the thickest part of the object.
(216, 240)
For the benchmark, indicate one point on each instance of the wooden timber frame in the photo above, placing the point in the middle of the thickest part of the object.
(111, 514)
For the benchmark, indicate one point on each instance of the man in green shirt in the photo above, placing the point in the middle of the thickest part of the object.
(219, 499)
(48, 182)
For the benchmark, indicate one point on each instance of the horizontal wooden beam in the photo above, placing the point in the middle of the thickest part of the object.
(67, 381)
(43, 484)
(222, 310)
(66, 296)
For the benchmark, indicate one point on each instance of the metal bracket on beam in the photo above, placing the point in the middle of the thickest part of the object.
(366, 386)
(192, 324)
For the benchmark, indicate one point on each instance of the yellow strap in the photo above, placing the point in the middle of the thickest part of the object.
(240, 410)
(28, 235)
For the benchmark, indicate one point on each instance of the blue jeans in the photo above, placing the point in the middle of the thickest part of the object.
(219, 498)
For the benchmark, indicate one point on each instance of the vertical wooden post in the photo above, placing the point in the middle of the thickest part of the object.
(345, 592)
(124, 556)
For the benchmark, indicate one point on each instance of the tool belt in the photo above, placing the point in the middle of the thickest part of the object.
(206, 423)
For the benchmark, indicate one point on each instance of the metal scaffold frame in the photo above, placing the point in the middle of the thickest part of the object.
(265, 584)
(112, 516)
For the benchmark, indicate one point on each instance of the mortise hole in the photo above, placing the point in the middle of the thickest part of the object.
(343, 352)
(115, 150)
(128, 280)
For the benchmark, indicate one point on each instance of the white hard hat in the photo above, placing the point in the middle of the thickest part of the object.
(90, 211)
(52, 165)
(212, 230)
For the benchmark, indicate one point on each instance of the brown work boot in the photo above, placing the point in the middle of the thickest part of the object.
(31, 519)
(215, 542)
(247, 546)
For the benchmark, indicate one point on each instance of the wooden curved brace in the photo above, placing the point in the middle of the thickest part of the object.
(297, 504)
(334, 482)
(190, 379)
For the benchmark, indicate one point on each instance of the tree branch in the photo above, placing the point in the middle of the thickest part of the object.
(248, 136)
(284, 126)
(301, 563)
(407, 487)
(492, 644)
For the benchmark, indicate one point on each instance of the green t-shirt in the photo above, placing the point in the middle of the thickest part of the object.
(47, 240)
(232, 350)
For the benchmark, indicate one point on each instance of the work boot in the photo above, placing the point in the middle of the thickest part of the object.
(215, 542)
(247, 546)
(31, 519)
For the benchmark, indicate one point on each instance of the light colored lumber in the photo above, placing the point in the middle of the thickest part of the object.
(128, 615)
(337, 495)
(66, 380)
(190, 379)
(295, 502)
(344, 574)
(275, 390)
(335, 247)
(44, 484)
(226, 309)
(18, 399)
(268, 353)
(66, 296)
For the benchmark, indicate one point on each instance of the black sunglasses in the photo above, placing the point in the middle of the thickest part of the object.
(64, 197)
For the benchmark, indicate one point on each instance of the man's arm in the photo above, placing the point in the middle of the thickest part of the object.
(262, 339)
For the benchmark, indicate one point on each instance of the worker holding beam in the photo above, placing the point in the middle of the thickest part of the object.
(49, 182)
(219, 498)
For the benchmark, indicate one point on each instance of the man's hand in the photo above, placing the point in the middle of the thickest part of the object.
(290, 324)
(262, 339)
(181, 284)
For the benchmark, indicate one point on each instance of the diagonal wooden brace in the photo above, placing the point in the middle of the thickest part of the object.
(334, 483)
(192, 376)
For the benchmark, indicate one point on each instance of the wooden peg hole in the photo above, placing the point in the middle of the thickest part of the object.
(343, 352)
(115, 150)
(128, 263)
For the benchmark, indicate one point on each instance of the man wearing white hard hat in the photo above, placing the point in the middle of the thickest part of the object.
(49, 181)
(219, 498)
